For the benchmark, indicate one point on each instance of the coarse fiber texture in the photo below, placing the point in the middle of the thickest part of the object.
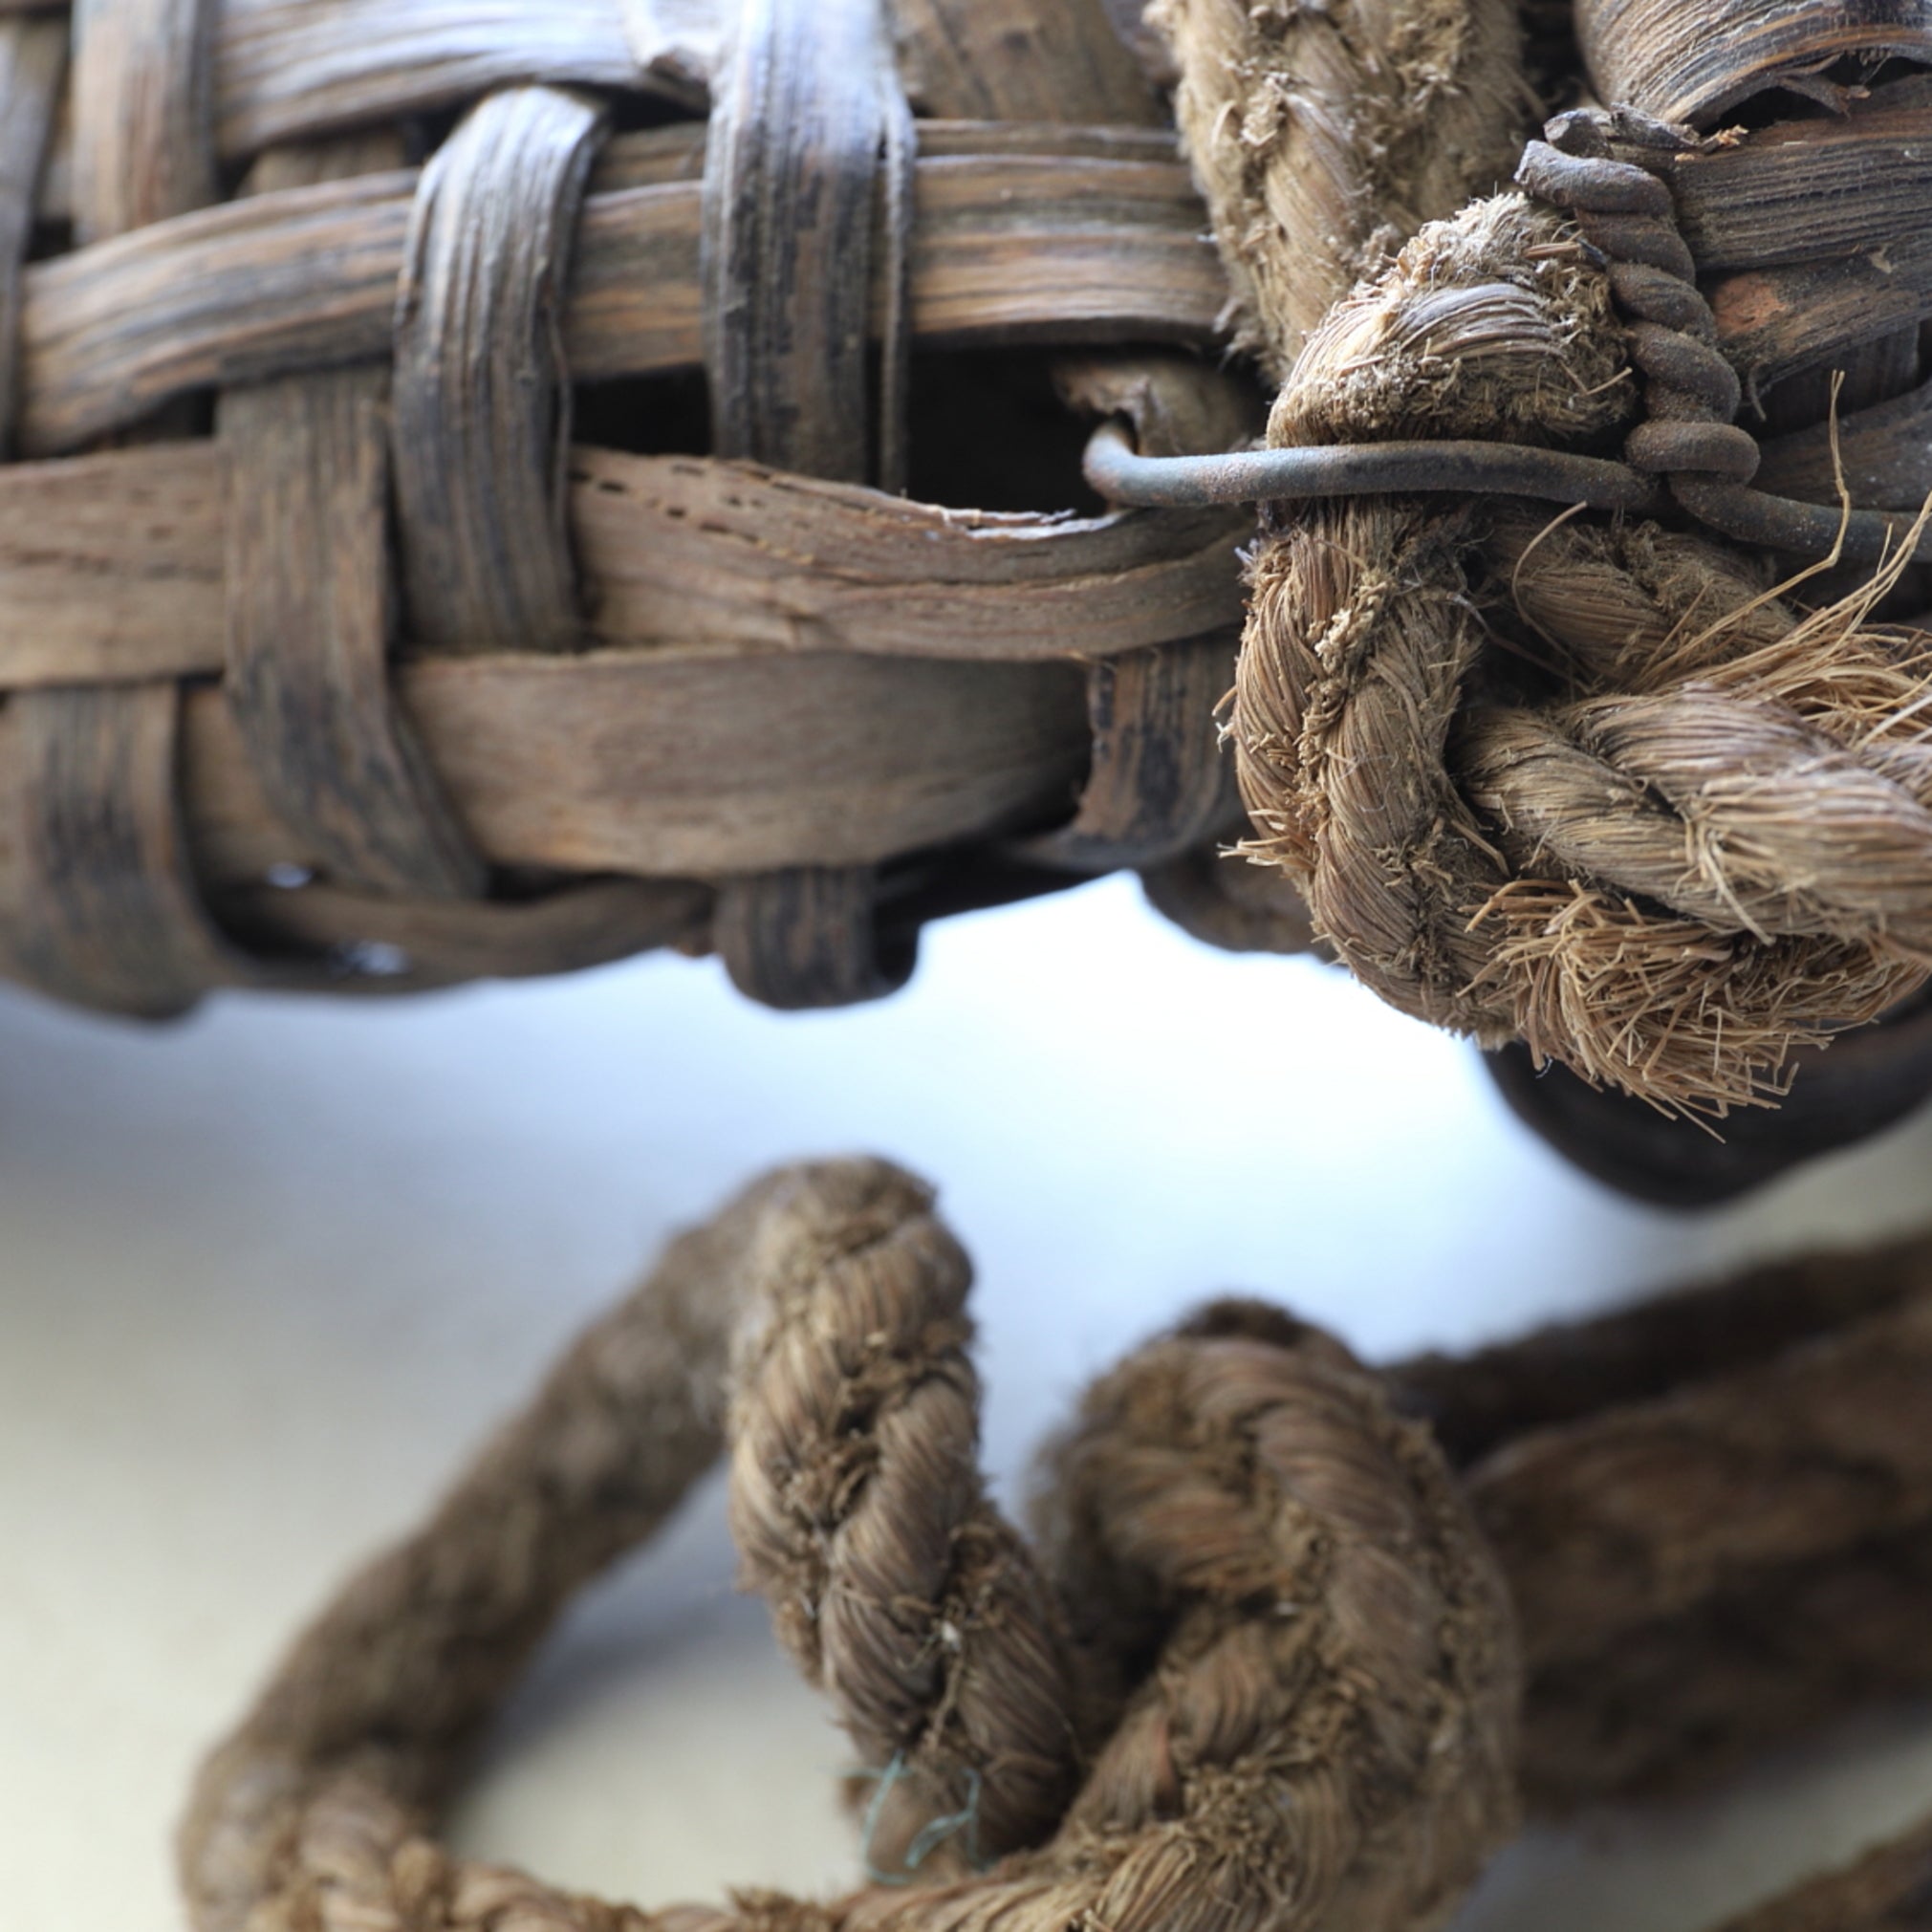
(1597, 788)
(1594, 787)
(1322, 136)
(1258, 1672)
(1257, 1669)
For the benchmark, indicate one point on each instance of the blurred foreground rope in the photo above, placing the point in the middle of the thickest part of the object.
(1259, 1665)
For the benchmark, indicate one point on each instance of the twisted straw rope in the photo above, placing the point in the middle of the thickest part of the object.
(1259, 1672)
(1258, 1668)
(1322, 136)
(1592, 786)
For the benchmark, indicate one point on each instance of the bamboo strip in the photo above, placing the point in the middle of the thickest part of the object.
(481, 398)
(1022, 61)
(357, 943)
(279, 284)
(32, 59)
(1004, 246)
(672, 765)
(113, 567)
(1691, 62)
(113, 915)
(1094, 242)
(1810, 190)
(308, 608)
(144, 146)
(103, 905)
(676, 152)
(1772, 323)
(288, 69)
(728, 553)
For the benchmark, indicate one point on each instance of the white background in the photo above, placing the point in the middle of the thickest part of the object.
(265, 1278)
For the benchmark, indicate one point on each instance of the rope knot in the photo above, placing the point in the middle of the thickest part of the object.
(1257, 1669)
(1596, 785)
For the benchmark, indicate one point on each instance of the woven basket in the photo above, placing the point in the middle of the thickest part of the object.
(472, 514)
(371, 613)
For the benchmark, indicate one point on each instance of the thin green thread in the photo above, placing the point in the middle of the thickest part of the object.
(930, 1836)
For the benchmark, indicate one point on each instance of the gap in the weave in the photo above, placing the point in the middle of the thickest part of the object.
(634, 112)
(1554, 61)
(986, 429)
(49, 238)
(1550, 55)
(1850, 77)
(668, 415)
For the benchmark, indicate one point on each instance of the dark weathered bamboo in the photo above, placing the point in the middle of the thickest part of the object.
(1028, 60)
(618, 762)
(1691, 62)
(285, 70)
(539, 269)
(1076, 246)
(310, 612)
(1810, 189)
(1005, 247)
(32, 59)
(122, 572)
(679, 574)
(1882, 454)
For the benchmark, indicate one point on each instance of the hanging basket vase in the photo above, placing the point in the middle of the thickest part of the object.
(497, 489)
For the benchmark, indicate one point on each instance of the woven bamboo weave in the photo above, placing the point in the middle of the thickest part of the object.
(495, 488)
(378, 610)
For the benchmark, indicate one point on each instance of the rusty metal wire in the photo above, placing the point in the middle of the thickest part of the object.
(1122, 474)
(1115, 469)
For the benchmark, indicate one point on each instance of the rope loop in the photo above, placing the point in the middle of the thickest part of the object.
(1277, 1653)
(1257, 1671)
